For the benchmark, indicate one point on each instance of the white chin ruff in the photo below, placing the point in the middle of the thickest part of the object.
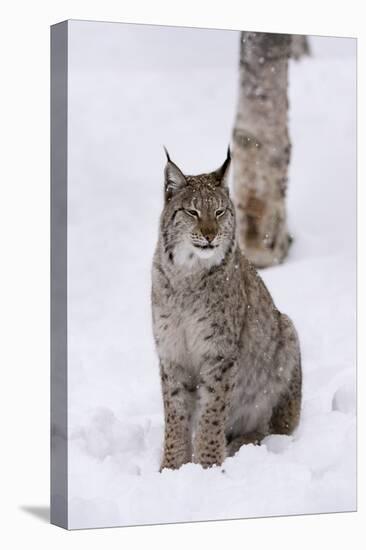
(187, 255)
(204, 253)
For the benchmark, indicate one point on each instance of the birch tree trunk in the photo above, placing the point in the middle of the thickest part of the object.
(299, 46)
(261, 145)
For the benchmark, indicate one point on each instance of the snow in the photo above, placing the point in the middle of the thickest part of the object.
(131, 90)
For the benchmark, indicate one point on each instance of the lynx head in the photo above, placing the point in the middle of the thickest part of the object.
(197, 222)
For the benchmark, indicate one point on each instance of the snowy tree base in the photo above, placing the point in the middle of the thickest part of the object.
(262, 257)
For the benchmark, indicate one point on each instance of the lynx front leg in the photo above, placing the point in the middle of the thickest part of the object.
(214, 396)
(178, 414)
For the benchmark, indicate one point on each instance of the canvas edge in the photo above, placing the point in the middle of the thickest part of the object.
(59, 433)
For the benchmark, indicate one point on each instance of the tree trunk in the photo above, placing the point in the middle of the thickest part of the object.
(299, 46)
(261, 145)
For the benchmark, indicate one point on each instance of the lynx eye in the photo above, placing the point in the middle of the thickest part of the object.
(220, 212)
(191, 212)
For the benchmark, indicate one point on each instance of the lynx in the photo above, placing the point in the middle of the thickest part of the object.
(230, 363)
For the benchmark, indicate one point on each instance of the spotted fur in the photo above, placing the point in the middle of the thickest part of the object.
(229, 360)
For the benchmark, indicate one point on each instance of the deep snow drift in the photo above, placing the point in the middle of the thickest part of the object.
(132, 89)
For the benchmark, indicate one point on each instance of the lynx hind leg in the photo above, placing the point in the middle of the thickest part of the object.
(234, 444)
(286, 414)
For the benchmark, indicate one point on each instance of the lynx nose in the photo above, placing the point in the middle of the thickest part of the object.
(209, 234)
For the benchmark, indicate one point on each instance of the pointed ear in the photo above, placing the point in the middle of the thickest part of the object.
(222, 172)
(174, 178)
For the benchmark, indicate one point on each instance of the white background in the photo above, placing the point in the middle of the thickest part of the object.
(25, 270)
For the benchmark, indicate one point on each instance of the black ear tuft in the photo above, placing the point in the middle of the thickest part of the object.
(221, 173)
(167, 154)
